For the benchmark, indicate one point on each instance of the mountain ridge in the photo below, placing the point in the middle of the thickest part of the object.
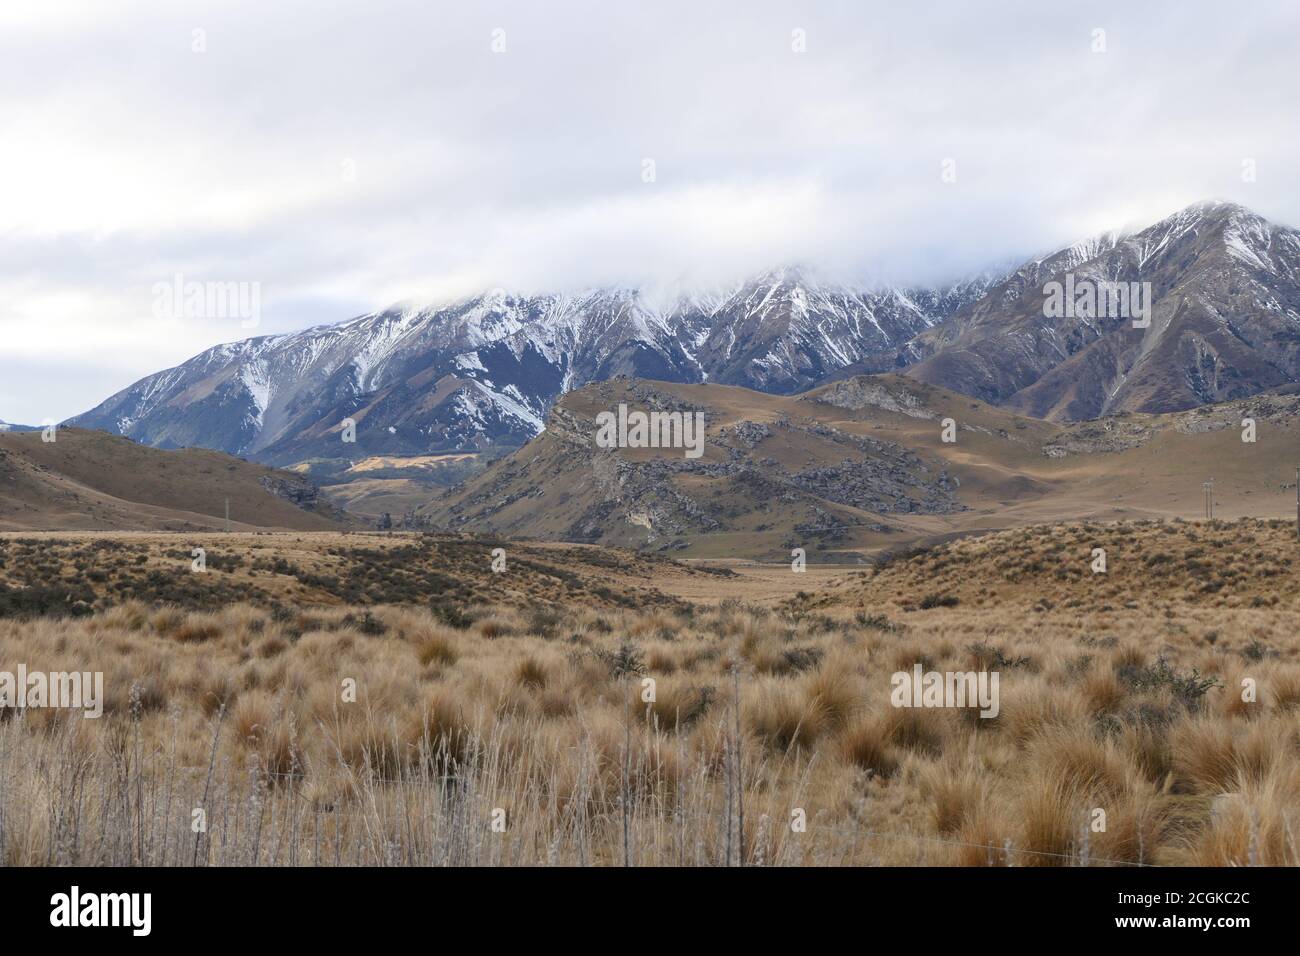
(482, 373)
(1224, 323)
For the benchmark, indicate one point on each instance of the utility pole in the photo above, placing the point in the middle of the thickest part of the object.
(227, 516)
(1211, 499)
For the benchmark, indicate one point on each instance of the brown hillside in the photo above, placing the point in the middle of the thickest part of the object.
(1248, 563)
(859, 466)
(89, 480)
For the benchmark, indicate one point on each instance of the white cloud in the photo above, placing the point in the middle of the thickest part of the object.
(126, 157)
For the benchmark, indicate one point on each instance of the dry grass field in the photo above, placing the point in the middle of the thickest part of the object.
(502, 718)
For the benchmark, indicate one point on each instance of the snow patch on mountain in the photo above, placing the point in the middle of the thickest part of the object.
(255, 379)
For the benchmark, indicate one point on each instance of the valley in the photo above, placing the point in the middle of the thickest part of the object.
(620, 585)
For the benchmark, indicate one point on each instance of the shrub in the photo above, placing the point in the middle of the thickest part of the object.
(1187, 687)
(43, 602)
(450, 615)
(624, 662)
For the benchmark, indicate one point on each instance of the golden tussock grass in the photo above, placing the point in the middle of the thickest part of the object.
(385, 735)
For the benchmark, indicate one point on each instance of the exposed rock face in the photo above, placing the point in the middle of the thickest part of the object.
(1101, 436)
(301, 493)
(1132, 431)
(858, 393)
(1272, 408)
(748, 434)
(876, 488)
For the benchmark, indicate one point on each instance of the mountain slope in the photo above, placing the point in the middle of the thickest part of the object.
(86, 480)
(1225, 323)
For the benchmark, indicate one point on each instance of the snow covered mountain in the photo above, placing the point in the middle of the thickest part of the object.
(1224, 323)
(484, 372)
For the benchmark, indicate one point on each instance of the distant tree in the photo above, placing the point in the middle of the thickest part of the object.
(385, 521)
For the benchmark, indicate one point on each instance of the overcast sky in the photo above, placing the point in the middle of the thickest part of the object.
(343, 156)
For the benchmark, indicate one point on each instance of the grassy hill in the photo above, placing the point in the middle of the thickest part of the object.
(446, 573)
(90, 480)
(860, 465)
(1247, 563)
